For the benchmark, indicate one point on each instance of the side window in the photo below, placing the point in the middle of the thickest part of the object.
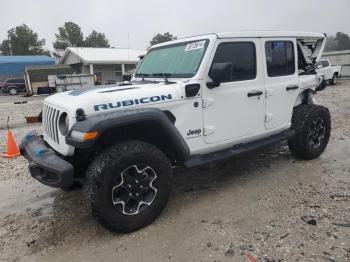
(325, 63)
(280, 58)
(242, 55)
(19, 80)
(129, 67)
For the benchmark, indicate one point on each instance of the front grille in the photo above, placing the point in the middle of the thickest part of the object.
(50, 122)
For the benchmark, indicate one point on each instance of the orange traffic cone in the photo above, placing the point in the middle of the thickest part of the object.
(12, 148)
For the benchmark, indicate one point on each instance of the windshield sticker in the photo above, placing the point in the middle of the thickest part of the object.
(195, 46)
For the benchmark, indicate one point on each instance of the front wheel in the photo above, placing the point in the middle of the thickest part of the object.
(312, 126)
(129, 185)
(334, 80)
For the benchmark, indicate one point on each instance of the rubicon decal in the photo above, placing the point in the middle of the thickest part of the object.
(131, 102)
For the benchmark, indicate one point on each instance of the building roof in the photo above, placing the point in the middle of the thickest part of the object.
(44, 67)
(91, 55)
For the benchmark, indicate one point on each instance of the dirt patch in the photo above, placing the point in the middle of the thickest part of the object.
(267, 205)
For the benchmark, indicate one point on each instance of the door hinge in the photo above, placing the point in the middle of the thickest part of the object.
(207, 102)
(208, 130)
(268, 117)
(268, 93)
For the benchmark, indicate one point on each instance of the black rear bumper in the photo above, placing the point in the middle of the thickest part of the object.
(44, 164)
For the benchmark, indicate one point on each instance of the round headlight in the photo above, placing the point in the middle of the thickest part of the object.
(63, 124)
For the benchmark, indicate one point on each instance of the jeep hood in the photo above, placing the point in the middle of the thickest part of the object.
(98, 99)
(315, 46)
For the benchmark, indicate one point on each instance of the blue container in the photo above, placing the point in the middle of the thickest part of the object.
(11, 66)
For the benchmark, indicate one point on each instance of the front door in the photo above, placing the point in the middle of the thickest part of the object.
(235, 109)
(281, 81)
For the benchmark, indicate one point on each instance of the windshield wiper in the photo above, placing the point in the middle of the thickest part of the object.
(165, 76)
(143, 80)
(143, 76)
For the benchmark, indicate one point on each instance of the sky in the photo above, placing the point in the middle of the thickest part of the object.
(133, 23)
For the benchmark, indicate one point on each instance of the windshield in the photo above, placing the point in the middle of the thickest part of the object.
(179, 60)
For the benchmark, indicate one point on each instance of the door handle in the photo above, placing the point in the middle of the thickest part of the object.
(254, 93)
(292, 87)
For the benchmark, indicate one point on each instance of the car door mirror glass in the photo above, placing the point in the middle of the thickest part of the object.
(221, 72)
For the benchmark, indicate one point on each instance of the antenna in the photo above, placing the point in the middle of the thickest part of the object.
(128, 40)
(128, 45)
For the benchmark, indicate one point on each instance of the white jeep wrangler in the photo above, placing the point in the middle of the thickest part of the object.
(191, 102)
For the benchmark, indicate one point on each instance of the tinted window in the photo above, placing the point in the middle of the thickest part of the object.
(241, 55)
(325, 63)
(16, 80)
(280, 58)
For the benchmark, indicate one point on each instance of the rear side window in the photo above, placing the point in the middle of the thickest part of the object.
(242, 55)
(280, 58)
(325, 63)
(16, 80)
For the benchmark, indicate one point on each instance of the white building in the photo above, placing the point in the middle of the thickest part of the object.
(340, 58)
(108, 64)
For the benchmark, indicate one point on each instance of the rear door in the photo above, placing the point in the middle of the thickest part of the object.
(281, 81)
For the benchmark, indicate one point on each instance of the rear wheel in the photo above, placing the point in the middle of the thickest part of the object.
(312, 125)
(129, 185)
(13, 91)
(334, 80)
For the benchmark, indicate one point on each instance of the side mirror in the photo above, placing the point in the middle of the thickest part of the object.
(220, 72)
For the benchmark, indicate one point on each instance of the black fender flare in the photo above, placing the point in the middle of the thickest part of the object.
(123, 118)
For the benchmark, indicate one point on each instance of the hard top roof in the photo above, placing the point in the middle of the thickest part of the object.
(270, 34)
(306, 36)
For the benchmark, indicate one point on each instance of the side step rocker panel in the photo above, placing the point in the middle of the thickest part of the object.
(200, 160)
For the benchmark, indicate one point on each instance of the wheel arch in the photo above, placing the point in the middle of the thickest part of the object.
(304, 97)
(150, 125)
(8, 88)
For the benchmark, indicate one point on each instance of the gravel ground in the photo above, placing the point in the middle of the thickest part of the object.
(267, 206)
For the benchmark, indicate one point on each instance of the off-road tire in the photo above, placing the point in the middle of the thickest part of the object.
(334, 79)
(303, 120)
(104, 171)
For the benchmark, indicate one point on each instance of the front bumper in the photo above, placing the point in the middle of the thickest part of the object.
(44, 164)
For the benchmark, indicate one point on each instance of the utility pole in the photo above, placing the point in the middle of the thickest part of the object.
(10, 47)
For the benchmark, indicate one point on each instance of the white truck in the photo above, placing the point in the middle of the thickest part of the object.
(331, 73)
(63, 83)
(191, 102)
